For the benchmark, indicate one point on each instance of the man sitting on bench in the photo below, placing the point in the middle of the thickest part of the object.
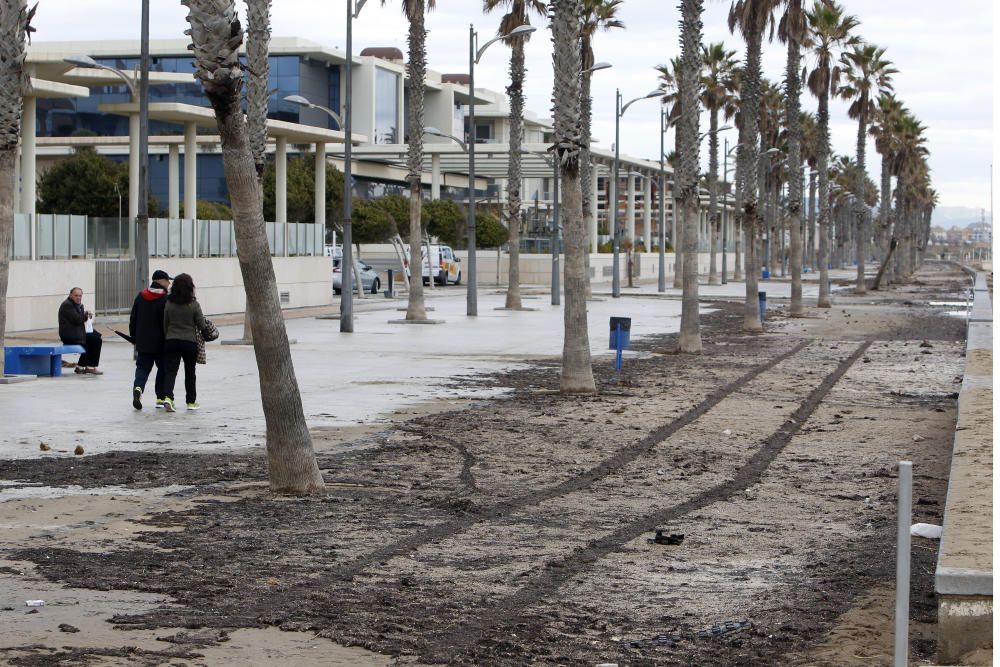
(73, 331)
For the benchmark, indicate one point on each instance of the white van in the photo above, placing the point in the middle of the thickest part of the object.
(447, 268)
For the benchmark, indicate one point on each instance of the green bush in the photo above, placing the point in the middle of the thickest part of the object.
(490, 232)
(447, 221)
(370, 222)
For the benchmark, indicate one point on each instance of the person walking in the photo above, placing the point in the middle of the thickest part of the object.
(182, 320)
(145, 327)
(73, 325)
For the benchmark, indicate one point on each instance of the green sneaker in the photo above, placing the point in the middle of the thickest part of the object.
(159, 404)
(168, 405)
(193, 406)
(137, 398)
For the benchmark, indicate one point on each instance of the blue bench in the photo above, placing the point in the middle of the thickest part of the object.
(37, 359)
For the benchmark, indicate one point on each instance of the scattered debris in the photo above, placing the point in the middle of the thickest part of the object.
(722, 629)
(917, 438)
(925, 344)
(928, 530)
(79, 450)
(34, 603)
(66, 627)
(669, 641)
(672, 538)
(44, 446)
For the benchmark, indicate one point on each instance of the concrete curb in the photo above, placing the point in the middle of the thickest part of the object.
(964, 576)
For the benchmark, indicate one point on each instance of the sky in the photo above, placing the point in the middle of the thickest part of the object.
(943, 51)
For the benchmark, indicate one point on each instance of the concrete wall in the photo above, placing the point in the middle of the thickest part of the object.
(964, 576)
(537, 269)
(37, 288)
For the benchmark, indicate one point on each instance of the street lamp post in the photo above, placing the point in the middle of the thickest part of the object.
(138, 90)
(726, 150)
(616, 287)
(471, 303)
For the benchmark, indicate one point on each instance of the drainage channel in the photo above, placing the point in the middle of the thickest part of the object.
(510, 611)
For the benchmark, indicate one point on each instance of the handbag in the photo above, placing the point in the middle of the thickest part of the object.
(206, 334)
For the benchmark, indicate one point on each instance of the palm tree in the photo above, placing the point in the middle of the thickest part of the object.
(792, 31)
(888, 112)
(15, 25)
(717, 94)
(750, 17)
(258, 43)
(830, 30)
(687, 175)
(577, 375)
(867, 76)
(772, 104)
(597, 15)
(910, 168)
(216, 36)
(416, 68)
(517, 15)
(807, 126)
(669, 85)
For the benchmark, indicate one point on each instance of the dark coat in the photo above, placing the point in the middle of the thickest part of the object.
(71, 319)
(145, 322)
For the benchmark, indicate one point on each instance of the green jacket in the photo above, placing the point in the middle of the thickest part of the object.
(181, 322)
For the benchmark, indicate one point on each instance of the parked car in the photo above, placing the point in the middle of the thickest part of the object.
(369, 276)
(447, 267)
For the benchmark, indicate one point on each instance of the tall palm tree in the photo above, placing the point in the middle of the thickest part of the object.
(772, 105)
(216, 36)
(416, 69)
(750, 17)
(687, 175)
(597, 15)
(669, 85)
(15, 26)
(888, 112)
(717, 94)
(518, 12)
(577, 374)
(867, 75)
(258, 44)
(830, 30)
(807, 126)
(910, 169)
(792, 31)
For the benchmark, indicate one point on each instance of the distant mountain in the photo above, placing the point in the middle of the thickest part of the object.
(962, 216)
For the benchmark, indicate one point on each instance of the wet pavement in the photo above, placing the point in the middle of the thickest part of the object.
(345, 379)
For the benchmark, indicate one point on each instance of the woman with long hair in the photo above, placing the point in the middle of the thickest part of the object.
(182, 320)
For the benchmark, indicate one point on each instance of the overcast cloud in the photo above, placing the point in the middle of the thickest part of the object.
(942, 49)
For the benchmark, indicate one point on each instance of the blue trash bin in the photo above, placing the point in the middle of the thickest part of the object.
(620, 328)
(762, 303)
(765, 274)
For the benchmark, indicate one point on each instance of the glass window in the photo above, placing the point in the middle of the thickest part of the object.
(386, 104)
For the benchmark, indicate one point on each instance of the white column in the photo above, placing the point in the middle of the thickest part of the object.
(173, 182)
(647, 213)
(133, 172)
(630, 209)
(593, 208)
(435, 176)
(28, 153)
(281, 188)
(319, 184)
(17, 181)
(191, 181)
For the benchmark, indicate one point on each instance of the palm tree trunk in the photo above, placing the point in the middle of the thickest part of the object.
(859, 200)
(691, 11)
(577, 375)
(586, 168)
(516, 95)
(822, 155)
(793, 90)
(417, 70)
(750, 133)
(8, 155)
(813, 251)
(677, 218)
(738, 228)
(292, 465)
(883, 213)
(13, 27)
(713, 196)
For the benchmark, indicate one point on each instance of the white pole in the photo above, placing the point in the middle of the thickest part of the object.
(173, 182)
(319, 187)
(904, 517)
(191, 182)
(281, 193)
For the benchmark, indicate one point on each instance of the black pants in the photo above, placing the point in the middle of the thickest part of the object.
(174, 351)
(91, 357)
(144, 365)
